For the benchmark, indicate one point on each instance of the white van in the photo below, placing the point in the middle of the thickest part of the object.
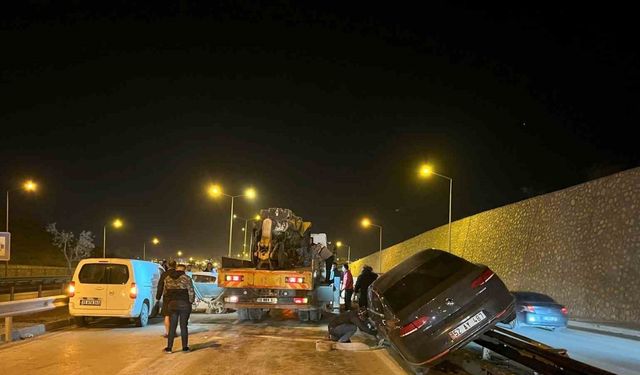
(112, 287)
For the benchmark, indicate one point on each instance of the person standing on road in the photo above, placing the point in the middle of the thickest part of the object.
(347, 286)
(165, 301)
(367, 276)
(179, 289)
(345, 325)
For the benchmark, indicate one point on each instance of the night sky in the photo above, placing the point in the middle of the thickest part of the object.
(327, 108)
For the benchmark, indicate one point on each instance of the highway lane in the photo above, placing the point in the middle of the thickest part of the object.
(221, 345)
(614, 354)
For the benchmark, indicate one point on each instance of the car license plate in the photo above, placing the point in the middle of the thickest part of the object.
(91, 302)
(268, 300)
(550, 319)
(468, 324)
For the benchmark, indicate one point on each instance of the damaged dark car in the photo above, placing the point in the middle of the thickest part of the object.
(435, 302)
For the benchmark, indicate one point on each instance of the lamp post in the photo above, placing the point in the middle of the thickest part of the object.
(426, 171)
(215, 191)
(245, 230)
(367, 223)
(154, 241)
(339, 245)
(117, 223)
(28, 186)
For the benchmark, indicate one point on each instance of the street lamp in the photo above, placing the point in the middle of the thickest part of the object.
(215, 191)
(154, 241)
(367, 223)
(28, 186)
(117, 223)
(179, 253)
(339, 245)
(245, 230)
(426, 171)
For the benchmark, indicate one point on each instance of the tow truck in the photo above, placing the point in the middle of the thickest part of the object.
(284, 271)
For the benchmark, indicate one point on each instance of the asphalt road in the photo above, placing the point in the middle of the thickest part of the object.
(221, 345)
(614, 354)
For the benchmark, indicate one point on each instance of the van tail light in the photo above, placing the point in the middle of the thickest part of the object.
(71, 289)
(413, 326)
(485, 276)
(564, 310)
(133, 291)
(530, 308)
(300, 300)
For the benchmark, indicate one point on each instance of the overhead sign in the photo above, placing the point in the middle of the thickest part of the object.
(5, 246)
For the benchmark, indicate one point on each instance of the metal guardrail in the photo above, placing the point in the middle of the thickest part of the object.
(533, 354)
(13, 285)
(15, 308)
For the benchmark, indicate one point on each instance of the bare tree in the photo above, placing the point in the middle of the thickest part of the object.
(72, 250)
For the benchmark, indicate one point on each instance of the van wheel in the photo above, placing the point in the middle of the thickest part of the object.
(143, 319)
(81, 321)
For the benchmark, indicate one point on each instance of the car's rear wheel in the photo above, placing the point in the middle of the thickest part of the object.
(143, 319)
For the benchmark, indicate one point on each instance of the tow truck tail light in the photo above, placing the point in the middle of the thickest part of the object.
(300, 300)
(564, 310)
(71, 290)
(133, 291)
(485, 276)
(413, 326)
(292, 279)
(234, 278)
(232, 299)
(530, 308)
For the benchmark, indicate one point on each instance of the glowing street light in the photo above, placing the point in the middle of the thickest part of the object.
(365, 222)
(179, 253)
(117, 223)
(426, 171)
(339, 245)
(216, 191)
(154, 241)
(30, 187)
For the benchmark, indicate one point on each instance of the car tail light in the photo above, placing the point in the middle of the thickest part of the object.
(71, 290)
(300, 300)
(564, 310)
(413, 326)
(485, 276)
(530, 308)
(234, 278)
(133, 291)
(294, 279)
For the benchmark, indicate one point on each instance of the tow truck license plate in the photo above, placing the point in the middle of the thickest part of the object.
(268, 300)
(91, 302)
(464, 327)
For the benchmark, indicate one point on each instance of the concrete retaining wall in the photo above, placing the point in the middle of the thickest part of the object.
(580, 245)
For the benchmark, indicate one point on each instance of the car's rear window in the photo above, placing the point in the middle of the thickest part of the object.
(96, 273)
(533, 297)
(418, 282)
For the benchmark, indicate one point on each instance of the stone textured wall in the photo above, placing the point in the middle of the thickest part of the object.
(580, 245)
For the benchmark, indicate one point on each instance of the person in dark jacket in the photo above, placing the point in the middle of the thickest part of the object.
(345, 325)
(367, 276)
(165, 301)
(179, 289)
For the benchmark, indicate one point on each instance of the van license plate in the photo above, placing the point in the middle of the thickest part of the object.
(268, 300)
(91, 302)
(468, 324)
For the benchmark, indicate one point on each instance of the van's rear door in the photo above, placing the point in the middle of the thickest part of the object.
(91, 288)
(119, 287)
